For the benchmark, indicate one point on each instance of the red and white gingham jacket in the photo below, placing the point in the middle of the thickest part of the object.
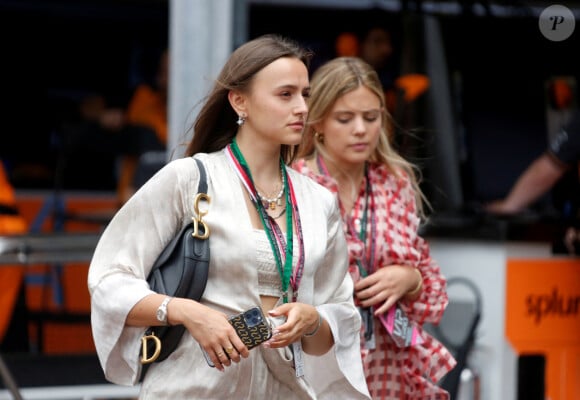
(395, 373)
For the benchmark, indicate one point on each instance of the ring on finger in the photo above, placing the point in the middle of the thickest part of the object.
(229, 350)
(220, 354)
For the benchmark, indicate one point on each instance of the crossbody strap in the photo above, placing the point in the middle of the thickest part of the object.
(202, 187)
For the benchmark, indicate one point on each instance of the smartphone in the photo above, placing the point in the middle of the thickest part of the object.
(207, 359)
(251, 326)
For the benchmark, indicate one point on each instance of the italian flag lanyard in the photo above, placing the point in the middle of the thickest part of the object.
(282, 249)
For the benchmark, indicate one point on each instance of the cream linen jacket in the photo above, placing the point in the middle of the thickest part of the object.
(145, 224)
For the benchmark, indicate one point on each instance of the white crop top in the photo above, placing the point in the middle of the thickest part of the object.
(269, 283)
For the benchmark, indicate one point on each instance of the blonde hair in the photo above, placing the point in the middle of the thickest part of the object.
(333, 80)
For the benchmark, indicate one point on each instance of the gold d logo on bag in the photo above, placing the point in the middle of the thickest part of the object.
(197, 220)
(144, 358)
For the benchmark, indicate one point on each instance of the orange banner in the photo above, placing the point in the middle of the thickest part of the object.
(543, 301)
(543, 317)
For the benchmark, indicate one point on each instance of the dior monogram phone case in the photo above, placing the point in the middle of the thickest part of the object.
(252, 327)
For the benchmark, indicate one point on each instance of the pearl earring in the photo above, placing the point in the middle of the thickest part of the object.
(241, 120)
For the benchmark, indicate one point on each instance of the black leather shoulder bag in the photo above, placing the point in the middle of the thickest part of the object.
(181, 270)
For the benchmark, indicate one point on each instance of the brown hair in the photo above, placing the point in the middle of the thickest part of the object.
(215, 125)
(333, 80)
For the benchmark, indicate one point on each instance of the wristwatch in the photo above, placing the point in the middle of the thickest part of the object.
(162, 311)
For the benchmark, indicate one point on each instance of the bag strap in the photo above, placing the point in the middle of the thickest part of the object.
(202, 187)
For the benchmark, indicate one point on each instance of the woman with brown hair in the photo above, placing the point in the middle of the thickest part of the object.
(271, 246)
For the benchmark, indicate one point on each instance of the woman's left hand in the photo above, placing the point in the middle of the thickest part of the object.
(386, 285)
(300, 319)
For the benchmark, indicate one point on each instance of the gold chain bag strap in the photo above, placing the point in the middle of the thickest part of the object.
(181, 270)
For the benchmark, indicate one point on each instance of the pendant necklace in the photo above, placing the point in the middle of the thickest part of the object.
(273, 202)
(282, 247)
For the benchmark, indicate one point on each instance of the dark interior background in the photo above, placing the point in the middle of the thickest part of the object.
(504, 65)
(498, 67)
(54, 51)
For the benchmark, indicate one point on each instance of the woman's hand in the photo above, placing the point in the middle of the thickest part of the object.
(386, 285)
(299, 318)
(302, 323)
(211, 329)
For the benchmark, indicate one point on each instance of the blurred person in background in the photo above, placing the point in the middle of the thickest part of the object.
(542, 174)
(374, 44)
(147, 109)
(118, 135)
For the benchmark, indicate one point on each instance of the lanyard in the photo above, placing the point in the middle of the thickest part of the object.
(297, 277)
(282, 249)
(369, 256)
(362, 234)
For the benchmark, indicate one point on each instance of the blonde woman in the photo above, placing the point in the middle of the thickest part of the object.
(346, 149)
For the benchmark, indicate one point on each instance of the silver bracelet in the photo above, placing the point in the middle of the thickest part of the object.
(315, 331)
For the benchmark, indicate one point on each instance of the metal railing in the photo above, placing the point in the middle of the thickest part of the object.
(54, 248)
